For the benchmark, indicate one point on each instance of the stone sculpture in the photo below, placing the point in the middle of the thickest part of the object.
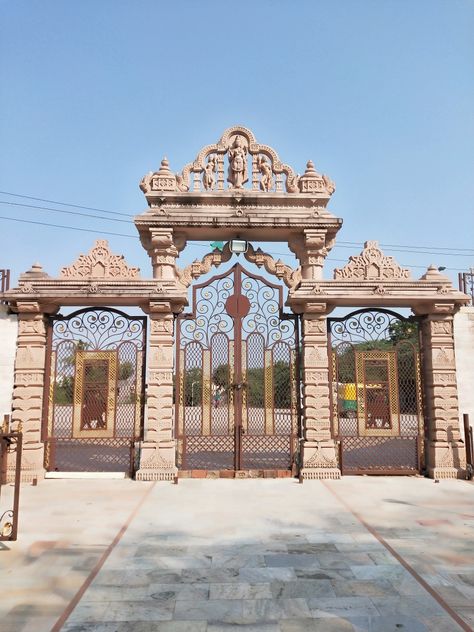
(237, 175)
(266, 181)
(208, 178)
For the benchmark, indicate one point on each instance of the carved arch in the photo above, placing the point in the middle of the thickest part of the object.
(291, 277)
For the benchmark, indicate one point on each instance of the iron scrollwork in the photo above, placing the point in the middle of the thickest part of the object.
(264, 315)
(210, 315)
(99, 329)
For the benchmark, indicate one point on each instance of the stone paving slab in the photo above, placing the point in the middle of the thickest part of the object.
(211, 555)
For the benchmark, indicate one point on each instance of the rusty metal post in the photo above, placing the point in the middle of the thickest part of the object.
(16, 493)
(468, 440)
(11, 515)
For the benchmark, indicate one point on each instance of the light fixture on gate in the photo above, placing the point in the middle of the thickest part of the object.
(238, 246)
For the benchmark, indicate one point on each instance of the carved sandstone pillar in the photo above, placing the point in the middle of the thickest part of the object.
(27, 406)
(163, 246)
(445, 451)
(311, 248)
(157, 459)
(319, 455)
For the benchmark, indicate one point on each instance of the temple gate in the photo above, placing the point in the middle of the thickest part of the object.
(237, 377)
(238, 191)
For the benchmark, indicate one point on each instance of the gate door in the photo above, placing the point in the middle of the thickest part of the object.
(96, 383)
(237, 377)
(376, 392)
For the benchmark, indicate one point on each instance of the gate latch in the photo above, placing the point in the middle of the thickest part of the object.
(239, 386)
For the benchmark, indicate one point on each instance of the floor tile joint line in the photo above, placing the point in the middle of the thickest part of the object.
(95, 571)
(436, 596)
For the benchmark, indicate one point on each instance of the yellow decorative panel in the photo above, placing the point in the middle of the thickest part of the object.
(180, 387)
(110, 357)
(388, 360)
(231, 390)
(206, 392)
(138, 393)
(245, 420)
(293, 392)
(269, 399)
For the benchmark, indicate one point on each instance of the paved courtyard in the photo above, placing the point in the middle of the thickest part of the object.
(364, 554)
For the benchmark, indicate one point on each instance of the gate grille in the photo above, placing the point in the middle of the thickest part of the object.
(96, 383)
(237, 373)
(376, 392)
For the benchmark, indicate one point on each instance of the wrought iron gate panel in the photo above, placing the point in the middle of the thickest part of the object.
(236, 400)
(96, 384)
(376, 392)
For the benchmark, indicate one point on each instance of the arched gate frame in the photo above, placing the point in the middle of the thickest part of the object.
(237, 369)
(96, 388)
(376, 393)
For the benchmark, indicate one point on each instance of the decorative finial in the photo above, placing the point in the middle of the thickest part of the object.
(310, 169)
(433, 274)
(165, 167)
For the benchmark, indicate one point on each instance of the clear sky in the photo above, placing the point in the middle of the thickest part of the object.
(378, 93)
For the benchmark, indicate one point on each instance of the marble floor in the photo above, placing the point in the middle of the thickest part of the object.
(363, 553)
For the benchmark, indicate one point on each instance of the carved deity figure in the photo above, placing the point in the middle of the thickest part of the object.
(237, 175)
(208, 178)
(266, 181)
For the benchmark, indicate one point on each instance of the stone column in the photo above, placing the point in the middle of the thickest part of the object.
(163, 246)
(446, 456)
(157, 459)
(311, 248)
(319, 449)
(28, 389)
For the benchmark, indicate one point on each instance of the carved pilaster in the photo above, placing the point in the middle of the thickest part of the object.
(27, 406)
(319, 448)
(163, 246)
(157, 459)
(446, 453)
(311, 249)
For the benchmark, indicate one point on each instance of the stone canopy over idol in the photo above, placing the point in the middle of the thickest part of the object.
(237, 384)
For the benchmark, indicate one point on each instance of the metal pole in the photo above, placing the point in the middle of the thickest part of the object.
(16, 497)
(468, 439)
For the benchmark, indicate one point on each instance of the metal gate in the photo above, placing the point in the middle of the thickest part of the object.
(237, 366)
(376, 392)
(10, 453)
(94, 412)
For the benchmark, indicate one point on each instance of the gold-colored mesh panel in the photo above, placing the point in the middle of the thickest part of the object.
(206, 392)
(378, 409)
(268, 377)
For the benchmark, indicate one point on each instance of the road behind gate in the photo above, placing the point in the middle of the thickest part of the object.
(379, 554)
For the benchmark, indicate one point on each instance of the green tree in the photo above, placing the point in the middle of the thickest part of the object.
(193, 387)
(282, 384)
(63, 390)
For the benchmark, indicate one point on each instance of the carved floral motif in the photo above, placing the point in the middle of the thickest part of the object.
(442, 327)
(100, 262)
(161, 326)
(372, 264)
(320, 459)
(315, 327)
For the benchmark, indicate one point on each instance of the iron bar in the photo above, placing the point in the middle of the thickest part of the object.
(9, 518)
(468, 442)
(466, 283)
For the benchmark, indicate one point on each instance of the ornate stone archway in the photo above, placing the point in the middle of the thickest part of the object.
(239, 188)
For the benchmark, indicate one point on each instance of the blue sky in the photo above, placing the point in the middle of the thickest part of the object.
(378, 93)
